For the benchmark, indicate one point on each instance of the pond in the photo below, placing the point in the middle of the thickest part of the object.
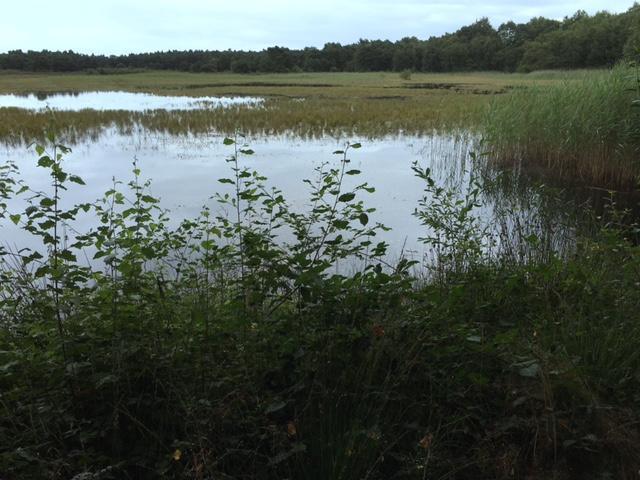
(128, 101)
(185, 169)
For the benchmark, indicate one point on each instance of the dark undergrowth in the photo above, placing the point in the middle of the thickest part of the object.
(232, 347)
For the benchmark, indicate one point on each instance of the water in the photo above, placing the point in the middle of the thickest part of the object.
(128, 101)
(185, 169)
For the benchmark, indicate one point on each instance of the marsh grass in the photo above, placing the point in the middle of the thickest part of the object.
(311, 117)
(289, 84)
(586, 130)
(364, 104)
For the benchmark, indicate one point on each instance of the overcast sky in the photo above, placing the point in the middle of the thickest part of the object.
(123, 26)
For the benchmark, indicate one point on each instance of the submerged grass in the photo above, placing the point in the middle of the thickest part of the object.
(311, 117)
(586, 130)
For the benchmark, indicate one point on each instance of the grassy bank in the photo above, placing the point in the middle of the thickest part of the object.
(216, 350)
(585, 130)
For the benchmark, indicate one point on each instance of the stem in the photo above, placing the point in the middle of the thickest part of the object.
(56, 282)
(236, 170)
(334, 208)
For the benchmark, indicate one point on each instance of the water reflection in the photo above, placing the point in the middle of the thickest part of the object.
(127, 101)
(185, 170)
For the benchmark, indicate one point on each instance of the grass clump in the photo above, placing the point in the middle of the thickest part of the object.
(585, 129)
(232, 347)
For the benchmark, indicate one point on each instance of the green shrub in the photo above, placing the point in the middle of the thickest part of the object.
(219, 349)
(405, 75)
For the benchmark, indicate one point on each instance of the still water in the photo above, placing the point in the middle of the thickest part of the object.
(185, 169)
(128, 101)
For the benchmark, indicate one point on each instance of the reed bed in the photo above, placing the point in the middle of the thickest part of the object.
(586, 130)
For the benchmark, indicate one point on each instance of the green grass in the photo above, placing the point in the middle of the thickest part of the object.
(313, 117)
(366, 104)
(289, 84)
(586, 130)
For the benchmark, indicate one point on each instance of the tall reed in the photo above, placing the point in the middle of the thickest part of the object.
(585, 129)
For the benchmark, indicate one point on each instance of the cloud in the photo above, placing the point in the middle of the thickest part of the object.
(122, 26)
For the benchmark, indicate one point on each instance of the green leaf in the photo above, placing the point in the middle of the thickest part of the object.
(346, 197)
(364, 218)
(76, 179)
(226, 180)
(60, 175)
(353, 172)
(42, 271)
(47, 224)
(45, 162)
(229, 141)
(67, 255)
(15, 219)
(356, 145)
(341, 224)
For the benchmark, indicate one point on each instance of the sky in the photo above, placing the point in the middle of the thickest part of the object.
(126, 26)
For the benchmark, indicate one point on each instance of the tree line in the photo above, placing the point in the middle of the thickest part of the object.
(578, 41)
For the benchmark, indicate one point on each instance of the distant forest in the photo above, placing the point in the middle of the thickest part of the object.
(579, 41)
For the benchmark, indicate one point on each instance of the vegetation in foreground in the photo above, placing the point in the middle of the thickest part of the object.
(218, 350)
